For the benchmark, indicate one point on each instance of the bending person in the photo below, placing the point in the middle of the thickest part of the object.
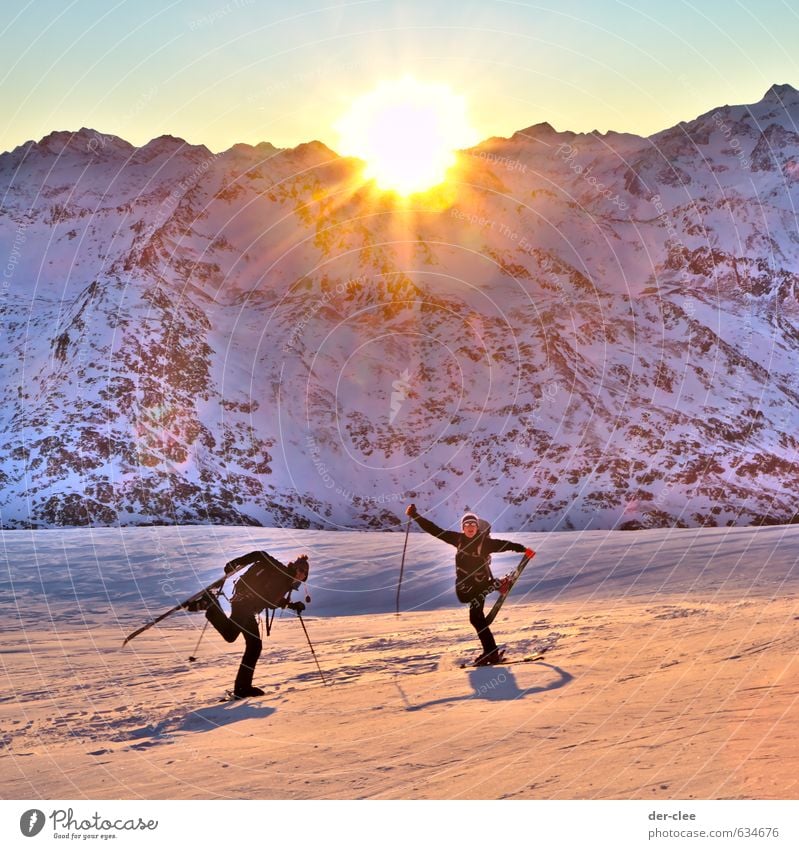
(266, 585)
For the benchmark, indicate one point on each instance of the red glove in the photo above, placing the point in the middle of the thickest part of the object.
(528, 553)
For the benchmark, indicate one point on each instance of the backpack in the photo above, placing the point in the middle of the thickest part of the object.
(264, 584)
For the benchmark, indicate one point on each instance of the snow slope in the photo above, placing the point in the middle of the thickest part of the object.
(670, 674)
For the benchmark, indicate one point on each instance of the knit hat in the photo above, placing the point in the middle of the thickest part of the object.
(468, 516)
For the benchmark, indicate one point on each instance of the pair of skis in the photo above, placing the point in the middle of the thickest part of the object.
(506, 661)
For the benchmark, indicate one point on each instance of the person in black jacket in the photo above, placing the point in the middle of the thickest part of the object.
(267, 584)
(473, 578)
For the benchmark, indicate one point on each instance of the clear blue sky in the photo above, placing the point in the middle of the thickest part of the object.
(223, 71)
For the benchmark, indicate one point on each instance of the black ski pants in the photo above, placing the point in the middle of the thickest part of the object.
(242, 620)
(478, 619)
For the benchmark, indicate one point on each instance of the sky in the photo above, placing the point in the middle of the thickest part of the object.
(219, 72)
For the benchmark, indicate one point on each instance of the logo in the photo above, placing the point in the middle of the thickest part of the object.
(31, 822)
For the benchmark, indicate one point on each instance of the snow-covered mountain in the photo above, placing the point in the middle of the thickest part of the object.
(580, 330)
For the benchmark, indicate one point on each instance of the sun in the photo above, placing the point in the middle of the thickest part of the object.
(407, 132)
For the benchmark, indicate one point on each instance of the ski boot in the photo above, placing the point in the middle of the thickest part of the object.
(248, 693)
(504, 584)
(201, 603)
(491, 658)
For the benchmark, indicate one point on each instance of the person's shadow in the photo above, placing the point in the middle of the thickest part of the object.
(498, 684)
(205, 719)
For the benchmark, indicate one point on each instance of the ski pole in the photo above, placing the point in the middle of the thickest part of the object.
(322, 674)
(192, 656)
(402, 564)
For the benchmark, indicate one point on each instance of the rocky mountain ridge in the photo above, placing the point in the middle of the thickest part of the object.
(578, 330)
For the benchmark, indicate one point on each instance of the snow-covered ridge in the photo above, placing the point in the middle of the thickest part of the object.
(587, 330)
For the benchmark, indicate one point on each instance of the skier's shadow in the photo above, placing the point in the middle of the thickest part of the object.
(206, 719)
(498, 684)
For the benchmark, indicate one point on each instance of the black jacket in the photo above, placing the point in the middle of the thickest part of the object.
(266, 583)
(473, 578)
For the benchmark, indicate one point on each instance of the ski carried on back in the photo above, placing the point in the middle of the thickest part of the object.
(512, 578)
(184, 605)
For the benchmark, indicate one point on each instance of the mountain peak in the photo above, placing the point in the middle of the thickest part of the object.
(84, 140)
(169, 146)
(165, 142)
(780, 93)
(315, 147)
(248, 150)
(537, 131)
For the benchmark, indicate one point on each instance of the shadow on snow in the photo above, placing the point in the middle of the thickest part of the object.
(498, 684)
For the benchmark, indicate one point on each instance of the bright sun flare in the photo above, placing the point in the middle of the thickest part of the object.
(407, 132)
